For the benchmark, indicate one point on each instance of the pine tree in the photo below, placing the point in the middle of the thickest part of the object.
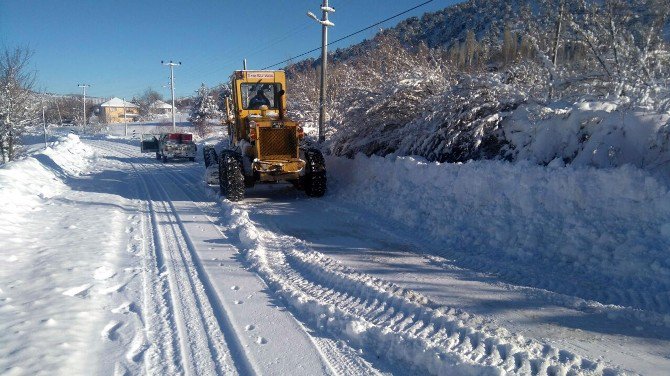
(204, 108)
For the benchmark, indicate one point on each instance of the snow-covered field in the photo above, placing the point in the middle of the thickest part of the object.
(113, 263)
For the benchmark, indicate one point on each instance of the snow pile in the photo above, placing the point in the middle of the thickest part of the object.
(600, 234)
(386, 321)
(25, 182)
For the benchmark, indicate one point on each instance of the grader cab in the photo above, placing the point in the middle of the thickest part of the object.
(264, 144)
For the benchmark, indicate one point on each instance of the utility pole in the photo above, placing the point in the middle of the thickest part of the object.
(83, 87)
(325, 24)
(125, 119)
(172, 65)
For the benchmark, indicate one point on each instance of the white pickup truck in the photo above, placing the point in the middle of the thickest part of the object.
(170, 146)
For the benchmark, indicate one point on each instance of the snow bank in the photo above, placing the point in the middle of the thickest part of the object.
(55, 263)
(25, 182)
(600, 234)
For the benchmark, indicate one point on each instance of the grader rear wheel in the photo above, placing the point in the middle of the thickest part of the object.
(314, 181)
(231, 177)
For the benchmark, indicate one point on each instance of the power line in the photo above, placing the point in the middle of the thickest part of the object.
(231, 58)
(352, 34)
(285, 36)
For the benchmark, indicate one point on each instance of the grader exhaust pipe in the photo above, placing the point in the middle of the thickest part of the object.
(280, 103)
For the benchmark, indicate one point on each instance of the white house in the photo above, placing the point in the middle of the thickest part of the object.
(160, 107)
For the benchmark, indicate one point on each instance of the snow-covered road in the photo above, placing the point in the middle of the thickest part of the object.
(121, 264)
(221, 320)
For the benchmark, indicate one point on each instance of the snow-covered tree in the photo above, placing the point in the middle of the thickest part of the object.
(145, 100)
(204, 108)
(17, 101)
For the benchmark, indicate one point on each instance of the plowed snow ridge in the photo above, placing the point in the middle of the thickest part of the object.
(392, 322)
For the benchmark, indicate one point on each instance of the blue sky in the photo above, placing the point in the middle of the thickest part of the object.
(117, 45)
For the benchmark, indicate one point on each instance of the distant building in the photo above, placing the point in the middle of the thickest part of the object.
(161, 108)
(113, 111)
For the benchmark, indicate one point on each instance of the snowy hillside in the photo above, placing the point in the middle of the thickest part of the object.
(493, 80)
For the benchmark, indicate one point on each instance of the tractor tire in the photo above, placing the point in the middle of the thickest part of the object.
(231, 177)
(314, 181)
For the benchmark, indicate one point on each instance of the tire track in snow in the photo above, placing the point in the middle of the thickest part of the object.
(338, 355)
(389, 321)
(204, 353)
(164, 352)
(202, 348)
(469, 340)
(342, 359)
(244, 365)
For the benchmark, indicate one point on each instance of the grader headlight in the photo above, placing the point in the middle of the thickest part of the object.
(252, 130)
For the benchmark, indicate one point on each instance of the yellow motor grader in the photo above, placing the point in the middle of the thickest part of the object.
(264, 144)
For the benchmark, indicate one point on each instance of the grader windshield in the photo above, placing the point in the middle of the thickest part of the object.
(255, 95)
